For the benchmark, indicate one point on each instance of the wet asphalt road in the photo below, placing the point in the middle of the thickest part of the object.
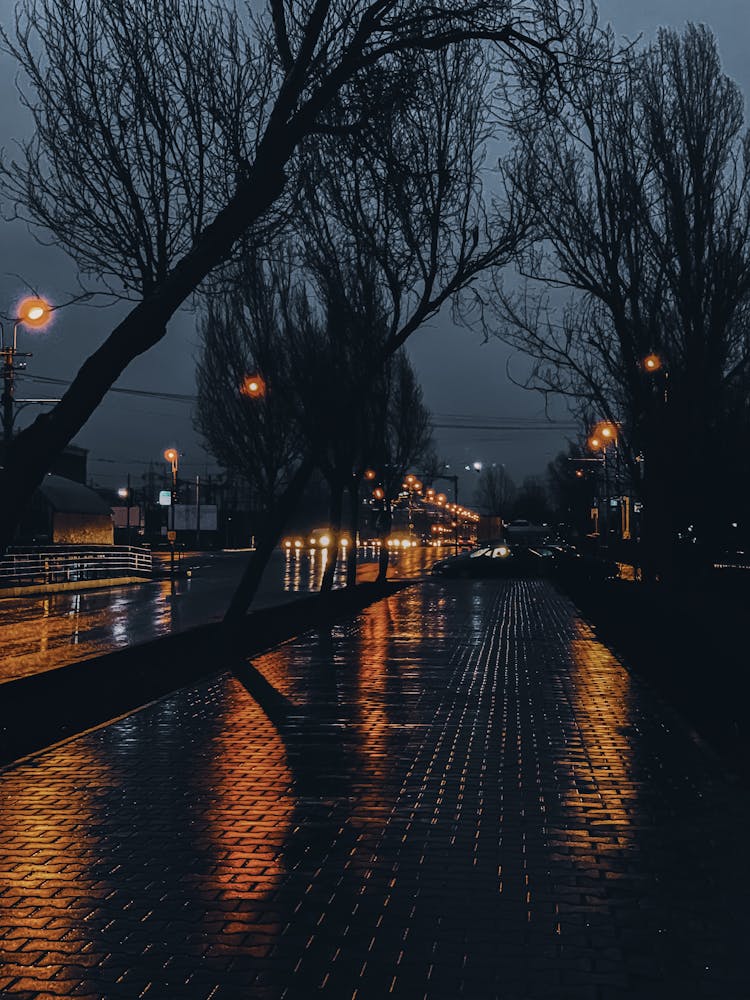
(43, 632)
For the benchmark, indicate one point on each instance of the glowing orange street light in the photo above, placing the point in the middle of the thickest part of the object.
(253, 387)
(34, 312)
(652, 363)
(378, 493)
(607, 431)
(369, 474)
(411, 479)
(441, 498)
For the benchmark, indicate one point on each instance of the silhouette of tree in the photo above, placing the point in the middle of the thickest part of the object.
(495, 492)
(642, 187)
(532, 501)
(323, 395)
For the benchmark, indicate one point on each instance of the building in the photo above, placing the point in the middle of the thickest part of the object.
(64, 512)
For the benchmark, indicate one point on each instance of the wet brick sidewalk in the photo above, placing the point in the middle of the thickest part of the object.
(475, 800)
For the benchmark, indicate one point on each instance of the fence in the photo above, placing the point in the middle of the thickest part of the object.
(59, 564)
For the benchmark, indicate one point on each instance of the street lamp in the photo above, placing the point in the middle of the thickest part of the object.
(172, 456)
(253, 386)
(33, 313)
(604, 434)
(653, 364)
(126, 493)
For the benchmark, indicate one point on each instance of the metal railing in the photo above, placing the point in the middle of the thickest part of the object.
(29, 566)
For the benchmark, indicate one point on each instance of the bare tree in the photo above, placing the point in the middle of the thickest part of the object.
(380, 254)
(571, 486)
(337, 355)
(323, 395)
(245, 376)
(532, 500)
(287, 74)
(496, 491)
(644, 192)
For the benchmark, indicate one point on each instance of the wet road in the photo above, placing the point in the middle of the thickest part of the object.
(40, 633)
(472, 800)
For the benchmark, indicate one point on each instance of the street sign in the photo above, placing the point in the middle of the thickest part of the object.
(165, 498)
(188, 517)
(172, 536)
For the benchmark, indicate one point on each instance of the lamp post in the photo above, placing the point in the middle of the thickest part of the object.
(33, 313)
(603, 435)
(125, 493)
(656, 525)
(172, 456)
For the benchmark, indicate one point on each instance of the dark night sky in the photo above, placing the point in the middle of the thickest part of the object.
(460, 374)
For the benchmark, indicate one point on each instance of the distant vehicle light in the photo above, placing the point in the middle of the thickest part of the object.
(298, 544)
(325, 541)
(287, 544)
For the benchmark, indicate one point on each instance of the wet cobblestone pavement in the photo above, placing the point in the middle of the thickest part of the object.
(475, 800)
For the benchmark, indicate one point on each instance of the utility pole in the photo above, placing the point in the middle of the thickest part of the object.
(127, 516)
(8, 355)
(33, 313)
(198, 512)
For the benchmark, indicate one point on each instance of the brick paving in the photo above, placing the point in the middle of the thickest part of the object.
(474, 800)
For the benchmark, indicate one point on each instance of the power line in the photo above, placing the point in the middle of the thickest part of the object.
(506, 427)
(174, 397)
(454, 422)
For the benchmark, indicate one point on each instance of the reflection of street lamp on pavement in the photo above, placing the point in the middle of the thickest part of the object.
(34, 313)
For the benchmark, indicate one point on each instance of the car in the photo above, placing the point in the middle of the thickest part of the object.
(499, 559)
(494, 559)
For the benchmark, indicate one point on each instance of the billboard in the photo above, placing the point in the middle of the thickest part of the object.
(121, 517)
(186, 517)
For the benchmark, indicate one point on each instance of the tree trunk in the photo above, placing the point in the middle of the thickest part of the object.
(657, 543)
(337, 499)
(351, 552)
(265, 544)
